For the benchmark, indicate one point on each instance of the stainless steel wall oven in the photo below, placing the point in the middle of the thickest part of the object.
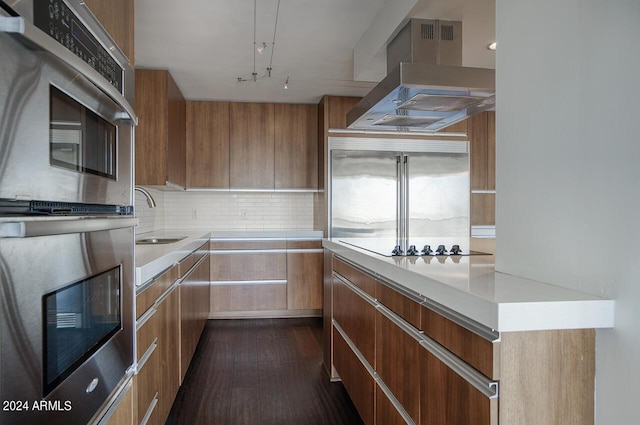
(66, 215)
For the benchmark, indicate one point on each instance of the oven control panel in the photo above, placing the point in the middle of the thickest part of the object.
(56, 19)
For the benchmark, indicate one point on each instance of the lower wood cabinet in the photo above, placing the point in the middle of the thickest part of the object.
(171, 314)
(194, 307)
(428, 366)
(268, 277)
(124, 412)
(448, 399)
(397, 364)
(355, 378)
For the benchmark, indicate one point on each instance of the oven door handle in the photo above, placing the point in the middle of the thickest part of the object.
(20, 26)
(28, 229)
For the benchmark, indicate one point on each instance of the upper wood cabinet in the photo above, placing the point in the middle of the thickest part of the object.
(116, 16)
(296, 146)
(160, 147)
(338, 106)
(482, 150)
(251, 146)
(208, 144)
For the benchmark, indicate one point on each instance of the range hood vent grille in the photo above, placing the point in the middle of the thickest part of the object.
(427, 88)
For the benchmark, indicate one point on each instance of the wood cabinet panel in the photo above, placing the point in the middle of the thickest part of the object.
(251, 146)
(327, 313)
(311, 244)
(386, 413)
(247, 298)
(147, 379)
(296, 146)
(125, 413)
(248, 266)
(355, 378)
(355, 276)
(249, 245)
(491, 150)
(338, 108)
(176, 143)
(304, 280)
(397, 357)
(169, 345)
(357, 317)
(194, 310)
(146, 299)
(160, 134)
(547, 377)
(447, 399)
(117, 17)
(207, 134)
(404, 307)
(483, 209)
(478, 151)
(470, 347)
(151, 139)
(459, 127)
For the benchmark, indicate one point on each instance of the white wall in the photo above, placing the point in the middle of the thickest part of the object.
(224, 211)
(568, 167)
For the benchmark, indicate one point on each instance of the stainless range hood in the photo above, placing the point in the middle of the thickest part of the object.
(427, 88)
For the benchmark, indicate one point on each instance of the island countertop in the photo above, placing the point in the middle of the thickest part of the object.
(469, 285)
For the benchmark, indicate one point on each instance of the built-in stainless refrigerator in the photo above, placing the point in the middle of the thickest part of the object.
(398, 189)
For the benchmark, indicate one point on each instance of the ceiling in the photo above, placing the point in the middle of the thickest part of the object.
(208, 44)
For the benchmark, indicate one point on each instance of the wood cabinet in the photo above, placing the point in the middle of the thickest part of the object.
(438, 368)
(124, 412)
(483, 167)
(147, 378)
(355, 377)
(252, 148)
(272, 277)
(169, 350)
(194, 306)
(207, 144)
(296, 146)
(116, 16)
(304, 275)
(160, 148)
(397, 355)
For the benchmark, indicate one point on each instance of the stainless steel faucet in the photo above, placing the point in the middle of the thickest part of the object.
(150, 201)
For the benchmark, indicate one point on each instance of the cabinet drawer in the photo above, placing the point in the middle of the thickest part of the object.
(148, 385)
(357, 317)
(312, 244)
(397, 359)
(248, 266)
(447, 399)
(249, 244)
(355, 378)
(250, 297)
(146, 299)
(147, 332)
(355, 276)
(470, 347)
(403, 306)
(167, 279)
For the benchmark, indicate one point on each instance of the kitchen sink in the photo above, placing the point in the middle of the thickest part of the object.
(159, 241)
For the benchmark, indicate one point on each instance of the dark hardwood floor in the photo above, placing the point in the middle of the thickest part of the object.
(261, 372)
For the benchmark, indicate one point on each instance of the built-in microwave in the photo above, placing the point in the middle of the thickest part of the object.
(66, 122)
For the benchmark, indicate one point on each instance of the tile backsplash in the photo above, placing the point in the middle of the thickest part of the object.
(225, 211)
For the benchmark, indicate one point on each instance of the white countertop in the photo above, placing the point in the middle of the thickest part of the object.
(151, 260)
(471, 287)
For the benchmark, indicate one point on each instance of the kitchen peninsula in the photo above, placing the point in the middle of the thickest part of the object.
(446, 339)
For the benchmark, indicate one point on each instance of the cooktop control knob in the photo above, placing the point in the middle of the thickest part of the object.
(441, 250)
(455, 250)
(397, 250)
(427, 250)
(412, 250)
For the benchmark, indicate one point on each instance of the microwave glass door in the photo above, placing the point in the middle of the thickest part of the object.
(80, 139)
(79, 319)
